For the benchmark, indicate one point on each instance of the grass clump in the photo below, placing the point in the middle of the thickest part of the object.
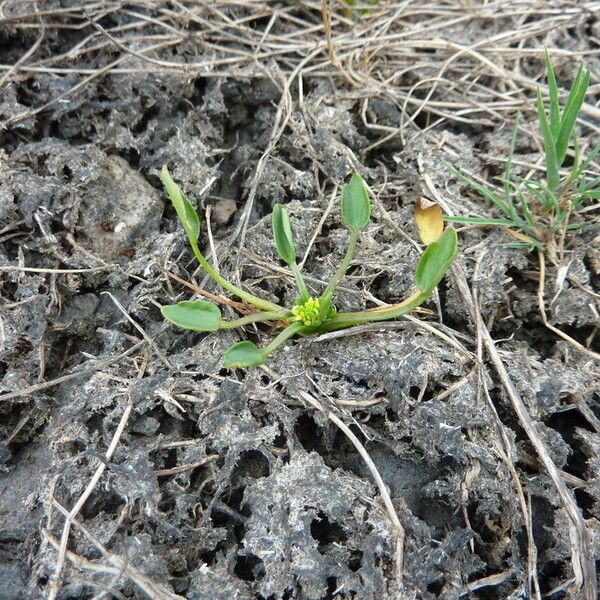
(538, 212)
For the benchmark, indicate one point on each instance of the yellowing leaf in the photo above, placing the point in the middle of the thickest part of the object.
(520, 236)
(430, 220)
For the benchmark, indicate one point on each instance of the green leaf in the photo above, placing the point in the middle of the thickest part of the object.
(480, 221)
(554, 105)
(519, 245)
(527, 214)
(282, 234)
(571, 112)
(356, 206)
(508, 168)
(483, 190)
(243, 354)
(552, 164)
(185, 211)
(196, 315)
(594, 194)
(590, 184)
(589, 158)
(436, 259)
(543, 193)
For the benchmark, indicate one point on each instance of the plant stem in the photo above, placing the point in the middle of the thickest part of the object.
(384, 313)
(255, 318)
(236, 291)
(286, 334)
(300, 283)
(341, 271)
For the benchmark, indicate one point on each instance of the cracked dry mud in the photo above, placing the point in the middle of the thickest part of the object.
(228, 484)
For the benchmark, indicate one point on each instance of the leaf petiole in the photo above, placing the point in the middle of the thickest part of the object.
(286, 334)
(383, 313)
(327, 295)
(300, 283)
(230, 287)
(259, 317)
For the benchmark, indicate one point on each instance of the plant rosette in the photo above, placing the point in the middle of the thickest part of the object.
(311, 314)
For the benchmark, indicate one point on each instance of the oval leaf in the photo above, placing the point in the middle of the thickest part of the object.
(282, 234)
(185, 211)
(356, 206)
(436, 259)
(196, 315)
(243, 354)
(430, 220)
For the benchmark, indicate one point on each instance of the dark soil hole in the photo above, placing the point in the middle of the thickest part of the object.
(107, 502)
(94, 423)
(280, 441)
(252, 463)
(355, 562)
(165, 459)
(586, 502)
(414, 391)
(550, 576)
(166, 503)
(391, 415)
(199, 91)
(308, 434)
(581, 334)
(326, 532)
(249, 568)
(423, 119)
(132, 156)
(379, 286)
(150, 113)
(331, 588)
(170, 425)
(435, 587)
(542, 514)
(566, 424)
(229, 515)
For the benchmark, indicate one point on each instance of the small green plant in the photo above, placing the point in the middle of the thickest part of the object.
(537, 213)
(353, 3)
(309, 314)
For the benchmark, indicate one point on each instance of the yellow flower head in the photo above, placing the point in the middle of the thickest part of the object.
(308, 312)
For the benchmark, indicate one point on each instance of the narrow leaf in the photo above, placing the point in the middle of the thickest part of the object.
(196, 315)
(590, 184)
(282, 234)
(436, 259)
(526, 210)
(552, 165)
(429, 219)
(508, 168)
(589, 158)
(356, 206)
(518, 246)
(576, 157)
(243, 354)
(543, 193)
(483, 190)
(554, 105)
(571, 112)
(594, 194)
(520, 236)
(185, 211)
(479, 221)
